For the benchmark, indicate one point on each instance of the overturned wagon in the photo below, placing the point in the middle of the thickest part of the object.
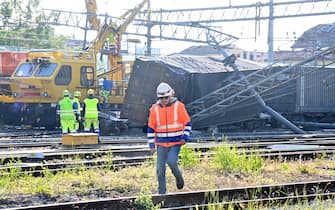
(304, 96)
(191, 76)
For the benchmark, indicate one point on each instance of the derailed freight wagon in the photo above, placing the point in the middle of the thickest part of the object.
(306, 100)
(191, 76)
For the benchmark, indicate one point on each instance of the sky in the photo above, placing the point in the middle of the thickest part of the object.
(285, 30)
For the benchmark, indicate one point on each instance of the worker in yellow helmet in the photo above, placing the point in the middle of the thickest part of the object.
(91, 112)
(67, 112)
(76, 99)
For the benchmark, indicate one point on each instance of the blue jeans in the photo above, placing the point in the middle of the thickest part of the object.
(170, 156)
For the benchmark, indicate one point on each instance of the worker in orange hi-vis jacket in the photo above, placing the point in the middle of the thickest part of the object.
(169, 128)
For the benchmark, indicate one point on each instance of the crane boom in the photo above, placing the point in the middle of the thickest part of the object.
(91, 6)
(116, 28)
(129, 16)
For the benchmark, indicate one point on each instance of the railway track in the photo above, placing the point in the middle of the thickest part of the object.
(237, 198)
(134, 151)
(13, 134)
(126, 149)
(6, 135)
(255, 143)
(118, 161)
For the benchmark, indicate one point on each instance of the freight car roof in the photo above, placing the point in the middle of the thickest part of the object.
(202, 64)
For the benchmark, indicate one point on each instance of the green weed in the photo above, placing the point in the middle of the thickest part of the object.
(189, 157)
(109, 156)
(228, 158)
(144, 202)
(284, 166)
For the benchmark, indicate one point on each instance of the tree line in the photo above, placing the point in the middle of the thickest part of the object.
(23, 25)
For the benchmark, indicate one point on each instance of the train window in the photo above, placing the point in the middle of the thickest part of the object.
(87, 76)
(64, 76)
(46, 69)
(25, 70)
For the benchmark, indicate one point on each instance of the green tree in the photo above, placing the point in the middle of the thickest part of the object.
(24, 26)
(6, 12)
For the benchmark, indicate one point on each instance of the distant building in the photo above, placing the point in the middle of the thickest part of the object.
(238, 52)
(12, 48)
(320, 36)
(75, 43)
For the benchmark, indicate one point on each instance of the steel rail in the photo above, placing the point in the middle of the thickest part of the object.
(116, 163)
(140, 149)
(312, 189)
(261, 141)
(125, 150)
(259, 203)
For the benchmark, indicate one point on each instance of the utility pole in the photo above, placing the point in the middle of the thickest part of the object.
(85, 34)
(148, 53)
(270, 34)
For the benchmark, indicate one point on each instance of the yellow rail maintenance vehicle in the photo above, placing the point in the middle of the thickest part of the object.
(37, 84)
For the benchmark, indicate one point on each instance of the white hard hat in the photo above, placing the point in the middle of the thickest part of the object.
(163, 90)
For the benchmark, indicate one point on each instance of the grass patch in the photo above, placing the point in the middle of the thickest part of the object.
(235, 170)
(144, 202)
(189, 157)
(284, 166)
(228, 158)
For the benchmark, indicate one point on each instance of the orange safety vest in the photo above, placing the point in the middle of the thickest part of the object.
(168, 123)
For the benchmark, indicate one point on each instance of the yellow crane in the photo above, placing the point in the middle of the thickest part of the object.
(103, 44)
(91, 7)
(108, 28)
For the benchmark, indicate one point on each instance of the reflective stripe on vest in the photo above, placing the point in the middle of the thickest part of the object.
(66, 109)
(170, 134)
(91, 110)
(175, 123)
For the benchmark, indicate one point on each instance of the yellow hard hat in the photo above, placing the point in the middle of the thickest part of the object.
(66, 93)
(90, 92)
(77, 94)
